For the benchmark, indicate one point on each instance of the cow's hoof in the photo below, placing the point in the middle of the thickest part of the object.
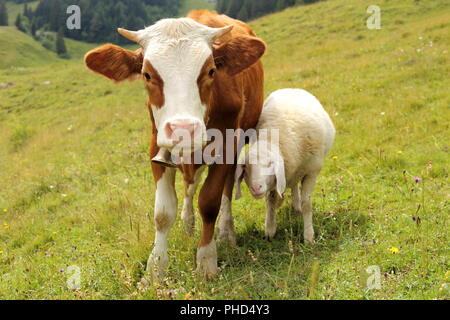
(309, 237)
(189, 227)
(207, 260)
(227, 236)
(270, 232)
(157, 265)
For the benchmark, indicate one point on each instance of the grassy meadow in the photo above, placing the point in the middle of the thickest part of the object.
(76, 187)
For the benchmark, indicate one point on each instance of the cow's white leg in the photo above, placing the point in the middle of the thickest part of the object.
(165, 213)
(187, 214)
(296, 199)
(308, 185)
(226, 223)
(271, 220)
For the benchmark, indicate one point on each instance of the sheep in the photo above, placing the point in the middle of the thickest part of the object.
(306, 135)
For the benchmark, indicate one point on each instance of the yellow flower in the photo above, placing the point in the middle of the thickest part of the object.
(5, 226)
(1, 252)
(335, 157)
(447, 276)
(394, 250)
(55, 233)
(399, 152)
(5, 210)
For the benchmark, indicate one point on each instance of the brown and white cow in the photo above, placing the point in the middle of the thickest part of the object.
(201, 72)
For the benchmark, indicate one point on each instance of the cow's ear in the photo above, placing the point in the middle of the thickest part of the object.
(239, 54)
(114, 62)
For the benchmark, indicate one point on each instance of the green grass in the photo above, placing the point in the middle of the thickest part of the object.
(18, 49)
(14, 9)
(76, 186)
(188, 5)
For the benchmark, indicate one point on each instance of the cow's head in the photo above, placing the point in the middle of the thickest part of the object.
(179, 63)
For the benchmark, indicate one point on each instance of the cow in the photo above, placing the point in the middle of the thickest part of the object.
(201, 72)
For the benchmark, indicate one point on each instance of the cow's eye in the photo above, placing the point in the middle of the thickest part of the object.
(147, 76)
(212, 72)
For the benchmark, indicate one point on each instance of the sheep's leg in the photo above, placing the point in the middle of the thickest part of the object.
(297, 199)
(308, 185)
(271, 221)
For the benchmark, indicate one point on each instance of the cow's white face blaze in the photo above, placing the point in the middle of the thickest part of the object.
(175, 52)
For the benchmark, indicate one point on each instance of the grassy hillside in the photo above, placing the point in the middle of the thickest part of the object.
(188, 5)
(14, 9)
(18, 49)
(76, 186)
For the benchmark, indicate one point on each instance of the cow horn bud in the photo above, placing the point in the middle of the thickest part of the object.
(130, 35)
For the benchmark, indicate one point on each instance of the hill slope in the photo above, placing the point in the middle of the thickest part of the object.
(188, 5)
(76, 186)
(18, 49)
(14, 9)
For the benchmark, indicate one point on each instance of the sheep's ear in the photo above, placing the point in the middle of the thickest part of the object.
(280, 175)
(239, 176)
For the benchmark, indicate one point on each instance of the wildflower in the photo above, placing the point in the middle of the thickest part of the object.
(383, 113)
(447, 276)
(5, 210)
(394, 250)
(5, 226)
(250, 254)
(335, 157)
(399, 152)
(417, 179)
(2, 252)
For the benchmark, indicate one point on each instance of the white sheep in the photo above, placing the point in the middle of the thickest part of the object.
(306, 134)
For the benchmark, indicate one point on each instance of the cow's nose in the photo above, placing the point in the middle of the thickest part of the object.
(179, 128)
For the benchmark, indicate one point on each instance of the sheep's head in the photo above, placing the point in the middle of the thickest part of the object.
(263, 171)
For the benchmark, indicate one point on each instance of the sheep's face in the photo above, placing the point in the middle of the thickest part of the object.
(263, 172)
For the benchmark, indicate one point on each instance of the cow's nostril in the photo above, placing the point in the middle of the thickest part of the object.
(177, 129)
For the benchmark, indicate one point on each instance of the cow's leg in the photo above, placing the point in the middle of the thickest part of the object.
(226, 223)
(308, 185)
(187, 214)
(164, 213)
(271, 220)
(297, 199)
(209, 205)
